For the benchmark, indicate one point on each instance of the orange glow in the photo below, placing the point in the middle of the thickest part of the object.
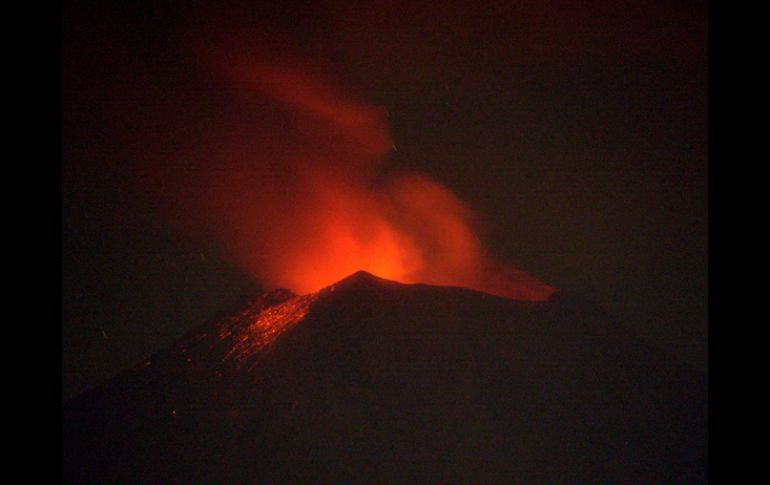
(255, 329)
(304, 201)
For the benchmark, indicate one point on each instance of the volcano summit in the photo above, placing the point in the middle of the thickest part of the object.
(373, 381)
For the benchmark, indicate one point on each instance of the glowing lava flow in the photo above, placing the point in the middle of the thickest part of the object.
(256, 328)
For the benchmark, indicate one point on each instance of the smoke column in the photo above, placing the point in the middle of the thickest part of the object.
(300, 195)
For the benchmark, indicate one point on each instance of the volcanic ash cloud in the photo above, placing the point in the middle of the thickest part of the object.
(308, 201)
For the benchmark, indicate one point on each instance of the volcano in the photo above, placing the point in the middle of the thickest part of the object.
(373, 381)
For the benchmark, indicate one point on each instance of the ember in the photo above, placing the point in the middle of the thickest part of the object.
(252, 332)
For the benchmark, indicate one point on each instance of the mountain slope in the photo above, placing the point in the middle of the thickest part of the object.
(372, 381)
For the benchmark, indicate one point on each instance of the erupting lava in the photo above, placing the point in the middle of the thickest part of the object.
(302, 199)
(258, 326)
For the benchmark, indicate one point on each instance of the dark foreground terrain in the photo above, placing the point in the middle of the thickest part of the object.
(371, 381)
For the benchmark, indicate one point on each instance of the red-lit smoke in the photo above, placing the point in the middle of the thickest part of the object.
(302, 200)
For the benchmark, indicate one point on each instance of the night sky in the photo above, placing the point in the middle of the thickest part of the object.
(576, 130)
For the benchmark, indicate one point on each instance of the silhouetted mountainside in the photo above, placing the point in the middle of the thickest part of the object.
(372, 381)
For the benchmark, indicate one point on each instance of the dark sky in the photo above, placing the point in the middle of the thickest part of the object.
(577, 130)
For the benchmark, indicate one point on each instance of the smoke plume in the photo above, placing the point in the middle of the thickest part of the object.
(295, 186)
(314, 204)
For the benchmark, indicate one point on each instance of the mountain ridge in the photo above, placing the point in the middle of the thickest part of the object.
(396, 382)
